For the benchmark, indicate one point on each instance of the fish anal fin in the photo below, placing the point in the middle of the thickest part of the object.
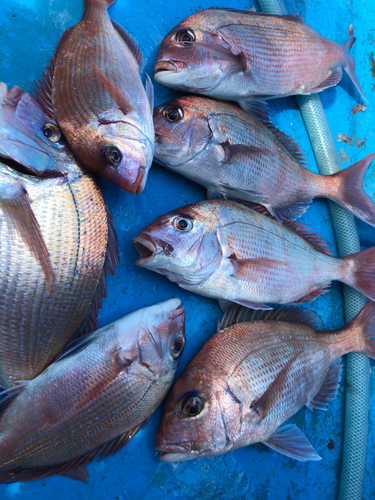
(78, 473)
(16, 206)
(264, 403)
(313, 294)
(331, 80)
(313, 238)
(329, 388)
(237, 314)
(120, 96)
(290, 441)
(256, 107)
(252, 304)
(292, 211)
(31, 474)
(130, 42)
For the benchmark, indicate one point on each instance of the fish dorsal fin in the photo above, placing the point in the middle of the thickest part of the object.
(130, 42)
(313, 238)
(9, 394)
(329, 388)
(290, 441)
(287, 17)
(79, 344)
(75, 469)
(238, 314)
(44, 88)
(16, 205)
(290, 144)
(112, 260)
(264, 404)
(119, 95)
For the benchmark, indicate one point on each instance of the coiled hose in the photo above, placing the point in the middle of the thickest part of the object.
(357, 365)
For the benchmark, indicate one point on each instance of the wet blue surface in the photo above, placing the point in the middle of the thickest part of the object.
(29, 33)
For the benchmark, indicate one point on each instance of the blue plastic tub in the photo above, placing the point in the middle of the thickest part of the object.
(29, 33)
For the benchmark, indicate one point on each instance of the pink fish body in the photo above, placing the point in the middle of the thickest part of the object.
(94, 398)
(250, 377)
(241, 55)
(224, 250)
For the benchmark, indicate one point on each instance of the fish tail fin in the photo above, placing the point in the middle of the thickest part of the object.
(361, 272)
(350, 65)
(350, 192)
(99, 3)
(364, 322)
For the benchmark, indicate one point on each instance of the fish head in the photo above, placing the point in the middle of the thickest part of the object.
(124, 154)
(30, 137)
(182, 130)
(193, 56)
(200, 418)
(182, 245)
(155, 337)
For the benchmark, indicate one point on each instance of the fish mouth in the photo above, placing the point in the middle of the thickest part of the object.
(183, 448)
(170, 65)
(149, 247)
(131, 186)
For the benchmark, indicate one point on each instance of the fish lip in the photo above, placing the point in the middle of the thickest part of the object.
(170, 65)
(148, 248)
(182, 447)
(137, 186)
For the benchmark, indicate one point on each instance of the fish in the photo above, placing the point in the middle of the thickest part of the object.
(224, 250)
(251, 376)
(94, 398)
(233, 155)
(58, 242)
(250, 57)
(93, 90)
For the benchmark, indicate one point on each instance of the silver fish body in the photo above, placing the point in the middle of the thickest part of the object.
(250, 377)
(241, 55)
(94, 398)
(224, 250)
(234, 155)
(57, 241)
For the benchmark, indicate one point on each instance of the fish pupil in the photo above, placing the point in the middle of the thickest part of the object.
(194, 410)
(182, 224)
(48, 132)
(177, 346)
(113, 155)
(173, 115)
(192, 406)
(186, 38)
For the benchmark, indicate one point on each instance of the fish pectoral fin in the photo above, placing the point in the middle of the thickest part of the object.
(290, 441)
(264, 404)
(130, 42)
(9, 394)
(120, 96)
(246, 268)
(331, 80)
(238, 314)
(329, 388)
(20, 217)
(233, 152)
(150, 92)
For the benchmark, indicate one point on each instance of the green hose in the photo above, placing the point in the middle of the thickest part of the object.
(357, 365)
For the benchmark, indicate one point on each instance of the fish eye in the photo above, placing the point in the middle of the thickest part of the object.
(186, 37)
(113, 155)
(173, 113)
(177, 347)
(182, 224)
(52, 132)
(192, 406)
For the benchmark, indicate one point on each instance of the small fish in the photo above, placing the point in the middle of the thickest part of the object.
(224, 250)
(247, 56)
(250, 377)
(234, 155)
(94, 92)
(99, 393)
(58, 242)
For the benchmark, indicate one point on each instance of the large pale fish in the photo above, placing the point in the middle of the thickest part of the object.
(94, 398)
(58, 242)
(243, 55)
(249, 378)
(94, 92)
(233, 155)
(224, 250)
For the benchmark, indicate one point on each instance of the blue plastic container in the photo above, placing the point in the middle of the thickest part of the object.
(29, 33)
